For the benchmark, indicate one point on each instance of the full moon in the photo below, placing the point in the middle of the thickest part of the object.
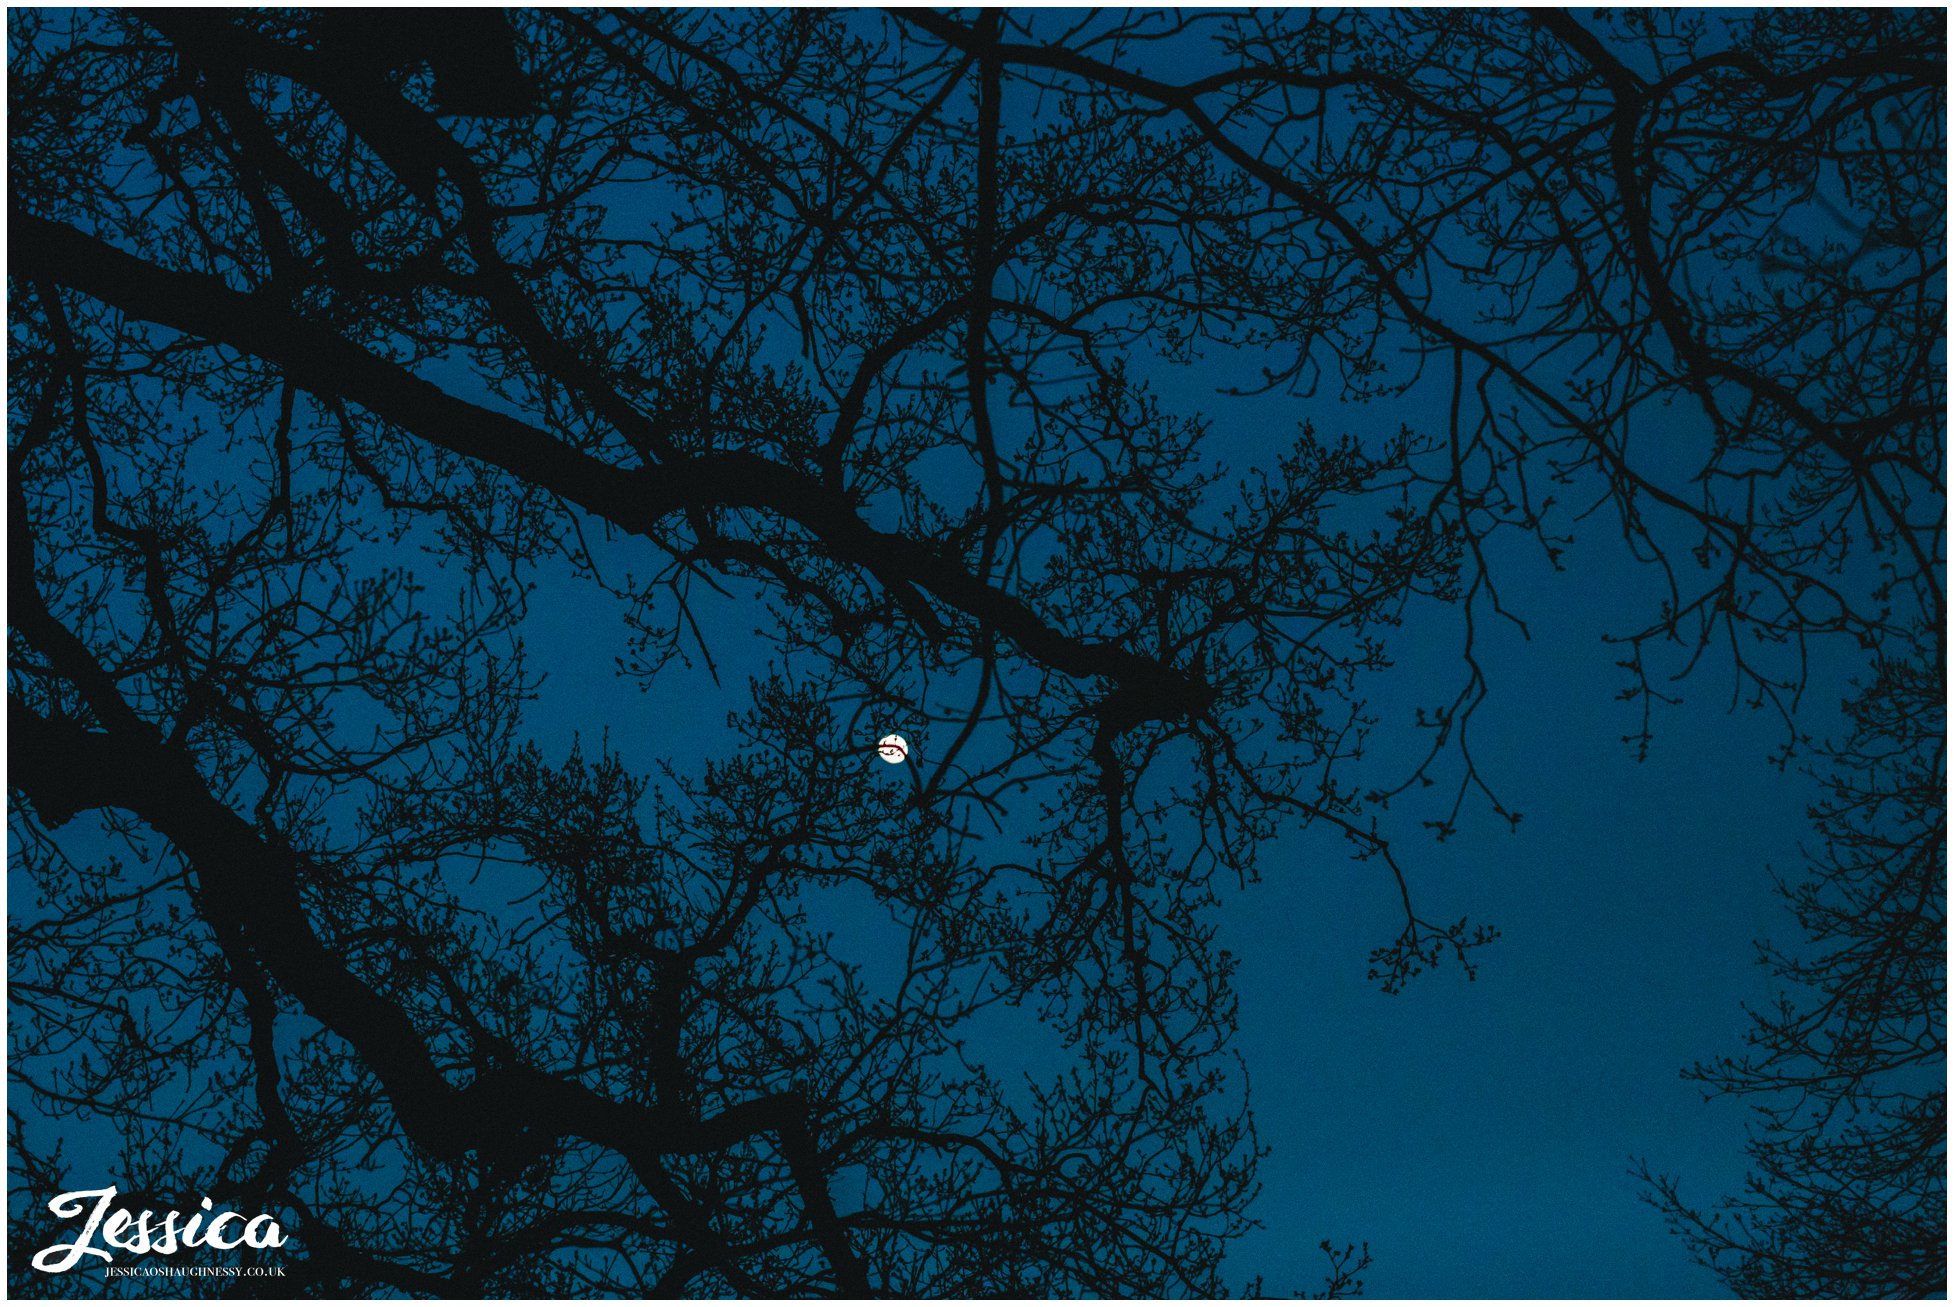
(892, 749)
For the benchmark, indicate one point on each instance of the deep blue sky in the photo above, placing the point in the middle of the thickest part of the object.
(1477, 1135)
(1480, 1134)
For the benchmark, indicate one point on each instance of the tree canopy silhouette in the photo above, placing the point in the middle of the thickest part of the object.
(848, 321)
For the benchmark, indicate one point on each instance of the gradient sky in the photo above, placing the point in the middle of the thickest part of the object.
(1478, 1135)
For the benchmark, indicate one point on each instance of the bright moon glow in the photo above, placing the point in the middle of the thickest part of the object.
(892, 749)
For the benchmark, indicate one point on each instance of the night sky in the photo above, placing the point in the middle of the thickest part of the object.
(1478, 1135)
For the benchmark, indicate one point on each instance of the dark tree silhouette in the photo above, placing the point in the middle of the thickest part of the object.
(845, 319)
(1848, 1193)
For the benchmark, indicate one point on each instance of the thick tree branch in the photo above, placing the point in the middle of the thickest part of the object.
(251, 885)
(635, 500)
